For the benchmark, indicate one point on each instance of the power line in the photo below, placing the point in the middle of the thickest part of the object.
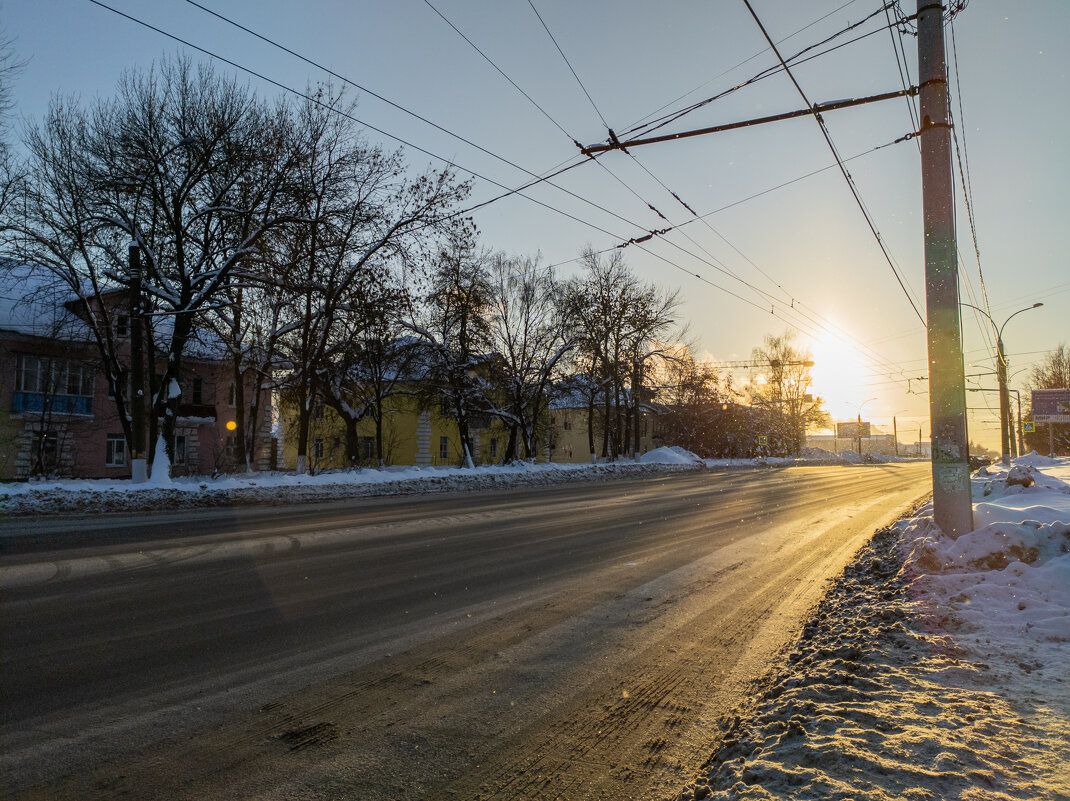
(568, 63)
(449, 162)
(740, 64)
(843, 169)
(901, 63)
(795, 60)
(501, 72)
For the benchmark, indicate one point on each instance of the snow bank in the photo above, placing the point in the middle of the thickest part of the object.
(673, 454)
(115, 495)
(818, 454)
(934, 668)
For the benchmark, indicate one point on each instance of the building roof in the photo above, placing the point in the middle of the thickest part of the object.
(33, 301)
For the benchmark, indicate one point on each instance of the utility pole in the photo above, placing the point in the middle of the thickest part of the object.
(1021, 436)
(1004, 405)
(138, 465)
(952, 504)
(895, 435)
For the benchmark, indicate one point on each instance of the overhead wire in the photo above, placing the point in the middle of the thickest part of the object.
(795, 60)
(333, 109)
(740, 64)
(843, 169)
(712, 260)
(450, 162)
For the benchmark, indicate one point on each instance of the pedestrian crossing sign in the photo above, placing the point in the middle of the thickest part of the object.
(1029, 427)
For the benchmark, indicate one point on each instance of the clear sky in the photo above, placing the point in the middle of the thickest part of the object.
(803, 250)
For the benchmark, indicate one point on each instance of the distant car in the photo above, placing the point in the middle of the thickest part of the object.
(977, 462)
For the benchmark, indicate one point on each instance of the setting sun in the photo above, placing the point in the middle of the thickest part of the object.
(840, 377)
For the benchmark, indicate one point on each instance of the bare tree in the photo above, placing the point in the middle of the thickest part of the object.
(782, 387)
(1053, 372)
(453, 324)
(190, 167)
(528, 331)
(359, 214)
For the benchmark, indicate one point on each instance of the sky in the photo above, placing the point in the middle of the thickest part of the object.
(765, 256)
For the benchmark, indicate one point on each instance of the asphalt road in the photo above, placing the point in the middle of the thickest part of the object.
(579, 641)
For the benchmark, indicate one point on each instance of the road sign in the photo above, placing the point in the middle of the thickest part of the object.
(850, 430)
(763, 440)
(1051, 405)
(1029, 427)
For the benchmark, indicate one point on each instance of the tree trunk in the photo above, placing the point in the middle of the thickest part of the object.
(304, 415)
(239, 414)
(352, 441)
(510, 447)
(590, 427)
(379, 434)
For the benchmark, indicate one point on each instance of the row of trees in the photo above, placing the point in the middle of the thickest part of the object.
(325, 267)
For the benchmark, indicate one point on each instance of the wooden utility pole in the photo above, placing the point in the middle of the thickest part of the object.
(952, 505)
(138, 464)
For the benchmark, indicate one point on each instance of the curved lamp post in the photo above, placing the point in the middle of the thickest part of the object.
(858, 432)
(1001, 375)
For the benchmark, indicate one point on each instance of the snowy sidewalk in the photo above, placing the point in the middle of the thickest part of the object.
(120, 495)
(934, 669)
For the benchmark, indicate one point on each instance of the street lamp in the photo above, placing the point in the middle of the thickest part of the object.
(895, 429)
(859, 423)
(1001, 375)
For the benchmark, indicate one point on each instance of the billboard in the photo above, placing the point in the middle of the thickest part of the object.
(1051, 405)
(850, 430)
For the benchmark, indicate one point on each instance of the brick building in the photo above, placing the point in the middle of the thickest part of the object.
(57, 413)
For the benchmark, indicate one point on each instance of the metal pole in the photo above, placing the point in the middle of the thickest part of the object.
(952, 506)
(1021, 436)
(1004, 404)
(895, 435)
(138, 464)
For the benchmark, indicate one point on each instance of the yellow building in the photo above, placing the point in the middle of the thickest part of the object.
(415, 436)
(411, 436)
(568, 439)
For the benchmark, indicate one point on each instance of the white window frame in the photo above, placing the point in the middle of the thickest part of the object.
(111, 452)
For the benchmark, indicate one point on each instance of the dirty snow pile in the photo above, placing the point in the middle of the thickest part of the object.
(934, 668)
(672, 454)
(163, 492)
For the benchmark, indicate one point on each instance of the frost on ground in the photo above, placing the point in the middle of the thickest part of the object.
(934, 668)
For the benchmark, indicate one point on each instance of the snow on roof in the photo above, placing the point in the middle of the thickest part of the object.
(32, 301)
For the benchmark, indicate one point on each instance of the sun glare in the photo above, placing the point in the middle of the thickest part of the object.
(840, 377)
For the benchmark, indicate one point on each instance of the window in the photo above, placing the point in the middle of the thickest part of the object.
(317, 409)
(115, 453)
(493, 447)
(443, 447)
(233, 401)
(58, 385)
(45, 453)
(566, 424)
(367, 447)
(180, 450)
(444, 407)
(125, 380)
(122, 325)
(198, 391)
(317, 448)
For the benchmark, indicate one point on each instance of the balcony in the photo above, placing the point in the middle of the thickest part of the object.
(52, 404)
